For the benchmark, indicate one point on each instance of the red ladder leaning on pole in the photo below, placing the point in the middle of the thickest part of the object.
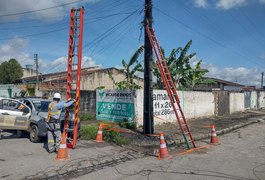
(171, 88)
(74, 70)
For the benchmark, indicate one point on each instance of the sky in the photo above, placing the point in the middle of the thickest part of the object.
(227, 35)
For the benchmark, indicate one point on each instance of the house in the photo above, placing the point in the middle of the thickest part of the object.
(92, 78)
(218, 85)
(29, 71)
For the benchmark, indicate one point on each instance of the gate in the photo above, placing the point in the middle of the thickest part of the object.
(221, 102)
(247, 97)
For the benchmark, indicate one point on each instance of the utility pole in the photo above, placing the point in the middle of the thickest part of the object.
(37, 69)
(262, 74)
(148, 123)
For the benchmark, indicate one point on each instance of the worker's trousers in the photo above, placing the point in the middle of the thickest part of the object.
(54, 137)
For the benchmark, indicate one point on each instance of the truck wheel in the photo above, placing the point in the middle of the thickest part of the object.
(34, 134)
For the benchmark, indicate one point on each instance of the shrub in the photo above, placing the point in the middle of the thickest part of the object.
(126, 124)
(88, 132)
(86, 117)
(115, 137)
(121, 140)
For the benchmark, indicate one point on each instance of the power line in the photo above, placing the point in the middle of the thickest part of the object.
(207, 37)
(36, 34)
(108, 31)
(43, 9)
(245, 29)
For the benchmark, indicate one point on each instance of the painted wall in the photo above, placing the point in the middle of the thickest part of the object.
(253, 100)
(194, 104)
(261, 99)
(10, 90)
(236, 102)
(97, 79)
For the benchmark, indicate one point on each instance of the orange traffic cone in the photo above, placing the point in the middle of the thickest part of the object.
(163, 152)
(62, 152)
(99, 135)
(214, 138)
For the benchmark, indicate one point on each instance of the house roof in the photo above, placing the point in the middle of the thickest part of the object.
(62, 75)
(227, 83)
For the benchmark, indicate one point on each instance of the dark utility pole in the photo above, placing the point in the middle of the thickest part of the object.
(262, 74)
(37, 69)
(148, 73)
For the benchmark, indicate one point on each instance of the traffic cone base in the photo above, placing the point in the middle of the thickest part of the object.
(214, 138)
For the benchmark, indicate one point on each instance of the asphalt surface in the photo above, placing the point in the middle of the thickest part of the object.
(240, 156)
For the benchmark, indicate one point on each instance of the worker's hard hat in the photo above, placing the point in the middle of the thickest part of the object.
(57, 96)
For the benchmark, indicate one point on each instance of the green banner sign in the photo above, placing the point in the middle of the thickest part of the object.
(115, 105)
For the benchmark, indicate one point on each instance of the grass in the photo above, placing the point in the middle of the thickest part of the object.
(88, 132)
(86, 117)
(128, 125)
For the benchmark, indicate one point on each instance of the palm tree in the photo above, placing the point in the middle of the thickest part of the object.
(130, 70)
(180, 69)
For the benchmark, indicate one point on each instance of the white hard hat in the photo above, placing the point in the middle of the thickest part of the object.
(57, 96)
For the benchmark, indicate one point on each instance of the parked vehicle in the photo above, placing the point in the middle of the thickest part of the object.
(30, 118)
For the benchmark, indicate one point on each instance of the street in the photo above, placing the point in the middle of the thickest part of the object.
(240, 156)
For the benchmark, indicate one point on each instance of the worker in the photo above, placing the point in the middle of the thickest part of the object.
(53, 121)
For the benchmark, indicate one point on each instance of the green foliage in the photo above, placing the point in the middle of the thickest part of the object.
(88, 132)
(100, 87)
(121, 140)
(110, 135)
(180, 69)
(86, 117)
(129, 70)
(127, 124)
(115, 137)
(31, 91)
(10, 71)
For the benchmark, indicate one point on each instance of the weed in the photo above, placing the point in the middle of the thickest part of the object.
(88, 132)
(126, 124)
(121, 140)
(115, 137)
(86, 117)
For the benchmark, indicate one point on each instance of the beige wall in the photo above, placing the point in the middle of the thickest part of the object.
(196, 104)
(236, 102)
(100, 78)
(28, 73)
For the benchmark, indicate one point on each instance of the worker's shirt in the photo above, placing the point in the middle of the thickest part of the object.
(55, 108)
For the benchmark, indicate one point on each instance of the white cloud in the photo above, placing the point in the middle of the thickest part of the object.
(15, 49)
(228, 4)
(60, 64)
(262, 1)
(18, 6)
(89, 62)
(200, 3)
(239, 75)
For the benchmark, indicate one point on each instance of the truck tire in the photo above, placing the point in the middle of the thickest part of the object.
(34, 134)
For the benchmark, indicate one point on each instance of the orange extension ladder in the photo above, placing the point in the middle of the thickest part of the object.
(74, 71)
(171, 88)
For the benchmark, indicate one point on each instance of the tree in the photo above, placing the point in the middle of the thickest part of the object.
(10, 71)
(180, 69)
(130, 69)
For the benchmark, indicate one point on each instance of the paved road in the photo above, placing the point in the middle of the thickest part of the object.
(241, 156)
(19, 158)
